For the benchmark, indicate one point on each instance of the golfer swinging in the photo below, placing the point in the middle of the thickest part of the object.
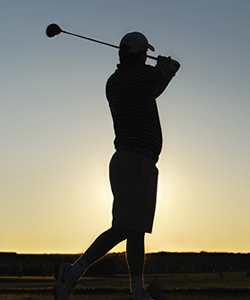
(131, 93)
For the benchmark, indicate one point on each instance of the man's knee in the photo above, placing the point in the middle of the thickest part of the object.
(127, 233)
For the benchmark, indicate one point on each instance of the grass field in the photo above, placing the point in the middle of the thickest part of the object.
(231, 286)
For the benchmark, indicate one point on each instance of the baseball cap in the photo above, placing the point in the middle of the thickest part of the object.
(134, 42)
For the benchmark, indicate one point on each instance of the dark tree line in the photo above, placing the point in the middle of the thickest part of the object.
(12, 264)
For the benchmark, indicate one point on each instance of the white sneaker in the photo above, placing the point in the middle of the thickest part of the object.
(64, 282)
(140, 295)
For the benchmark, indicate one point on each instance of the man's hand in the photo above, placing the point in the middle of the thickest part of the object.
(167, 64)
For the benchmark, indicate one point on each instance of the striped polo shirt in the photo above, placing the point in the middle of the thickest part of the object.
(131, 93)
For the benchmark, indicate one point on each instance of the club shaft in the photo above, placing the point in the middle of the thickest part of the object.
(90, 39)
(100, 42)
(152, 57)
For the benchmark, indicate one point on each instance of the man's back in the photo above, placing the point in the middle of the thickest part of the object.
(130, 92)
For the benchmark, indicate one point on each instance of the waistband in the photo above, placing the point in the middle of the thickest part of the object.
(150, 155)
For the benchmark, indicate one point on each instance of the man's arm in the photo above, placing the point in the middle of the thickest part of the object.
(168, 68)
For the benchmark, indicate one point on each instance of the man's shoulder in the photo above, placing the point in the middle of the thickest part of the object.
(137, 71)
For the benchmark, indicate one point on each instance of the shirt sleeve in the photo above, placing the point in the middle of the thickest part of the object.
(163, 74)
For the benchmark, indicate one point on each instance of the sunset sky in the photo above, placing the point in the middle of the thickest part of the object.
(57, 132)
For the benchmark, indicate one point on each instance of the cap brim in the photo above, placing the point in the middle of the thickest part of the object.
(150, 47)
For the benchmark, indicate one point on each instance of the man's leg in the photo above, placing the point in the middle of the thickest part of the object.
(102, 245)
(135, 259)
(67, 275)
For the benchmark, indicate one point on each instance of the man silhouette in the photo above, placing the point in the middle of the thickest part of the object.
(131, 93)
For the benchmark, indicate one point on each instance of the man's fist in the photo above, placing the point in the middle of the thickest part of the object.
(167, 64)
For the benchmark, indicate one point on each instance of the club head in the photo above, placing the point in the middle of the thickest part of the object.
(53, 30)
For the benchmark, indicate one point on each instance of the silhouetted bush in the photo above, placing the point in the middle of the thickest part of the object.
(12, 264)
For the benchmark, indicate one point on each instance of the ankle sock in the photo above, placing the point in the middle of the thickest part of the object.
(78, 268)
(136, 283)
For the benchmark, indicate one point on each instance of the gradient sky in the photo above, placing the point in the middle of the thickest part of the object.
(57, 132)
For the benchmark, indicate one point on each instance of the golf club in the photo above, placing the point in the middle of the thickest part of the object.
(53, 30)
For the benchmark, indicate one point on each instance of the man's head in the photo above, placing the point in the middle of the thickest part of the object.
(133, 48)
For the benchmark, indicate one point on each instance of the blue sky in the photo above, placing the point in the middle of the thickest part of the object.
(57, 133)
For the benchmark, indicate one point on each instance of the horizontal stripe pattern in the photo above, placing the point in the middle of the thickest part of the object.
(133, 107)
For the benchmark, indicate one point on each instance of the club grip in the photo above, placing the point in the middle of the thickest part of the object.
(152, 57)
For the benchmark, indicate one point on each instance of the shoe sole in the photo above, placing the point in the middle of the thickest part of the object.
(56, 275)
(54, 292)
(59, 278)
(56, 271)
